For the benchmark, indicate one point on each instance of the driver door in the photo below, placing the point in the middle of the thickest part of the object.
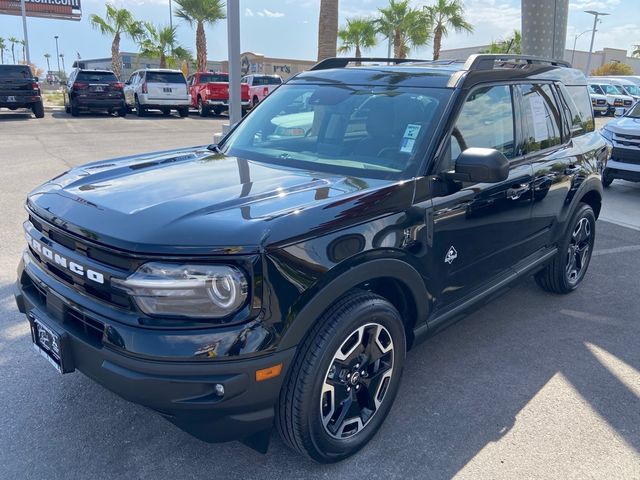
(478, 229)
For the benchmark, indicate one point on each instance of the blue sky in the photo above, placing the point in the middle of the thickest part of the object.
(288, 28)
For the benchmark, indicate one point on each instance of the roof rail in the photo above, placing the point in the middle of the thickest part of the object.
(341, 62)
(486, 61)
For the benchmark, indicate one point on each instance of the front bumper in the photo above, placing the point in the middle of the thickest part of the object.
(623, 170)
(184, 392)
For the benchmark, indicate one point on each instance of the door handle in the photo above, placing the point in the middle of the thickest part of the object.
(516, 191)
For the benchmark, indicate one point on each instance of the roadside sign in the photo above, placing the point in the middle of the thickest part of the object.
(60, 9)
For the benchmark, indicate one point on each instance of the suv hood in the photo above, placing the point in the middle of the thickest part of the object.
(194, 200)
(624, 125)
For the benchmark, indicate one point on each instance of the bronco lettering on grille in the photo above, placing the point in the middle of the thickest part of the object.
(63, 262)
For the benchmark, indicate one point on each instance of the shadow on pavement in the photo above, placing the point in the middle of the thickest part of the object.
(462, 390)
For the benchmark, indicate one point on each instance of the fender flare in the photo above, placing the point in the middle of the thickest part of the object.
(307, 316)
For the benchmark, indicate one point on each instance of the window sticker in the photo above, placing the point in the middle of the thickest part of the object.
(540, 129)
(409, 138)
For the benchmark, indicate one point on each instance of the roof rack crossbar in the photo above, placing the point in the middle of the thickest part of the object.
(341, 62)
(485, 61)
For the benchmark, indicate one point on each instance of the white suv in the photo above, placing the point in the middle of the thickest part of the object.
(157, 89)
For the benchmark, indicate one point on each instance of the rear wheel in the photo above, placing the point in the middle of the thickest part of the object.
(217, 111)
(122, 112)
(569, 266)
(166, 112)
(344, 379)
(140, 110)
(203, 110)
(183, 111)
(254, 102)
(75, 111)
(38, 109)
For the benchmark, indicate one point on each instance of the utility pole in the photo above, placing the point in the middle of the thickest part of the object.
(575, 40)
(233, 34)
(593, 36)
(170, 15)
(57, 54)
(24, 30)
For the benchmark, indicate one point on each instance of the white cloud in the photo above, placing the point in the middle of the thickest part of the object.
(268, 13)
(598, 5)
(248, 12)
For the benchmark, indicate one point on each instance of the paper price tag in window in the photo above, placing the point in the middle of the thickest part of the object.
(409, 138)
(540, 129)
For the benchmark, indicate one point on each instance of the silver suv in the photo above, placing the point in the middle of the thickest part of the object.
(623, 133)
(157, 89)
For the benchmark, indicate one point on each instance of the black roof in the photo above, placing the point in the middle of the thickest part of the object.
(441, 73)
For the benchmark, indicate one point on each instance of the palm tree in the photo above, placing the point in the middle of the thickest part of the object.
(3, 46)
(406, 26)
(358, 35)
(117, 22)
(446, 14)
(328, 29)
(13, 41)
(512, 44)
(24, 54)
(200, 12)
(161, 43)
(47, 56)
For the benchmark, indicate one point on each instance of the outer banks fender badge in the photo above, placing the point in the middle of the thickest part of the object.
(451, 255)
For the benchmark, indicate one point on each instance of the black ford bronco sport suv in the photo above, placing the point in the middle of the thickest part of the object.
(280, 276)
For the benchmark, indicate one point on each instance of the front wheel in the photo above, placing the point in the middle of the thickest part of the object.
(344, 379)
(569, 266)
(607, 179)
(183, 111)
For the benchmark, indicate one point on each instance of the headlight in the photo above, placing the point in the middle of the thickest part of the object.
(199, 291)
(606, 134)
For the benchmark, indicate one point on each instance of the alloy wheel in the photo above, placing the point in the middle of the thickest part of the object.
(357, 381)
(579, 250)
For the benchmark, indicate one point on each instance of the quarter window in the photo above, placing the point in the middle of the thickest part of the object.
(579, 104)
(486, 120)
(541, 118)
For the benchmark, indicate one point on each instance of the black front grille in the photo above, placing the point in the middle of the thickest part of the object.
(626, 155)
(94, 257)
(628, 103)
(601, 102)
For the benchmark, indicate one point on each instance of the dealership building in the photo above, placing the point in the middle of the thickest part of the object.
(250, 63)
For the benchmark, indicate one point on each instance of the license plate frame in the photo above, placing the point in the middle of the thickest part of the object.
(50, 343)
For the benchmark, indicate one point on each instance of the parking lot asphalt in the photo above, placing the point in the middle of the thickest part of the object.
(531, 385)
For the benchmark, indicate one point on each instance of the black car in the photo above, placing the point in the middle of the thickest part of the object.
(93, 90)
(20, 89)
(279, 277)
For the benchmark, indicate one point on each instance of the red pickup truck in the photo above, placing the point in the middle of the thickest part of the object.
(210, 93)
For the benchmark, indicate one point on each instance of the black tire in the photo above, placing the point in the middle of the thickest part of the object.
(217, 112)
(254, 102)
(122, 112)
(183, 111)
(166, 112)
(606, 179)
(38, 109)
(560, 276)
(203, 110)
(75, 111)
(67, 110)
(304, 399)
(140, 110)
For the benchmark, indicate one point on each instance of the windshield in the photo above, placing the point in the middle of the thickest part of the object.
(632, 90)
(165, 77)
(634, 112)
(596, 89)
(379, 132)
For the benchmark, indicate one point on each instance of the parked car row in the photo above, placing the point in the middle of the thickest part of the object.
(609, 93)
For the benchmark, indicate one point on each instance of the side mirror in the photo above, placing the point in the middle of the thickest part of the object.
(482, 165)
(618, 112)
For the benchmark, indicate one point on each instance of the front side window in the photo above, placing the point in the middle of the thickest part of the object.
(353, 130)
(486, 120)
(541, 117)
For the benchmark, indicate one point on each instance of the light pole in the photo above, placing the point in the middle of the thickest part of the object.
(57, 54)
(64, 70)
(575, 40)
(170, 15)
(593, 35)
(233, 34)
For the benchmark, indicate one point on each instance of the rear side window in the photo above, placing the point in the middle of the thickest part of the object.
(15, 72)
(486, 120)
(96, 77)
(266, 81)
(541, 117)
(580, 106)
(214, 77)
(165, 77)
